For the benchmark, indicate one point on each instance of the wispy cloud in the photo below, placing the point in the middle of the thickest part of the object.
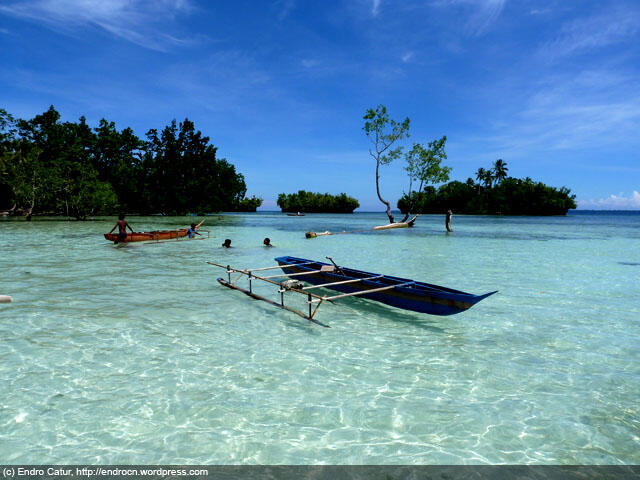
(143, 23)
(480, 14)
(309, 63)
(586, 34)
(233, 82)
(407, 56)
(375, 7)
(614, 202)
(571, 111)
(284, 8)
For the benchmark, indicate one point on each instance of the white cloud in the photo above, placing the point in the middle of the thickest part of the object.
(143, 22)
(483, 13)
(375, 7)
(591, 33)
(582, 110)
(407, 56)
(487, 14)
(614, 202)
(284, 8)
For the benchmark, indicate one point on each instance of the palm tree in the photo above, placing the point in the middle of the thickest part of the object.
(500, 170)
(484, 176)
(480, 176)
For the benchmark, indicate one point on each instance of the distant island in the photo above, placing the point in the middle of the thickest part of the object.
(507, 196)
(311, 202)
(68, 168)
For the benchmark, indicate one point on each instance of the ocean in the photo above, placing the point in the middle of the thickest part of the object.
(136, 355)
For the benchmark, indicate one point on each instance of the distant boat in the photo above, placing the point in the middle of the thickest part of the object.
(295, 214)
(147, 236)
(151, 236)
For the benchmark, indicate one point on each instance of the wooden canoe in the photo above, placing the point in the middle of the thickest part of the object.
(149, 236)
(152, 236)
(394, 291)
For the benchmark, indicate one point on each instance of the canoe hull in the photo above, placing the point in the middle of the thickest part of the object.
(148, 236)
(418, 296)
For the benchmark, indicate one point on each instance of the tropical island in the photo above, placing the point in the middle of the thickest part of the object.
(493, 194)
(311, 202)
(68, 168)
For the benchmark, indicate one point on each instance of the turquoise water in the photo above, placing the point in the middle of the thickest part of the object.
(137, 355)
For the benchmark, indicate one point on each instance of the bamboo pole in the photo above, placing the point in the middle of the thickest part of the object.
(342, 282)
(267, 300)
(297, 274)
(363, 292)
(246, 272)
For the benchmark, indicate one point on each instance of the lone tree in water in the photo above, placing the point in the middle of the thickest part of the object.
(423, 165)
(383, 133)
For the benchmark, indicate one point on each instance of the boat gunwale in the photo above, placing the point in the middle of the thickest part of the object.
(418, 288)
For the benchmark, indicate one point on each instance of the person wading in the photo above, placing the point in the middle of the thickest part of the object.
(122, 226)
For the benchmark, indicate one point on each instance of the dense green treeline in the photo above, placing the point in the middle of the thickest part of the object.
(317, 202)
(67, 168)
(510, 196)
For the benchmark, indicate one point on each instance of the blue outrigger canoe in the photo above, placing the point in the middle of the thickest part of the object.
(394, 291)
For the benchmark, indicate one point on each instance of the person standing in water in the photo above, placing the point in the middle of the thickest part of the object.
(448, 221)
(267, 242)
(122, 226)
(193, 230)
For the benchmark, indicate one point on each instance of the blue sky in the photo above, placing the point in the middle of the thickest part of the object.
(551, 87)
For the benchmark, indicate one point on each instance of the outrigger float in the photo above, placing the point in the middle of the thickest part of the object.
(394, 291)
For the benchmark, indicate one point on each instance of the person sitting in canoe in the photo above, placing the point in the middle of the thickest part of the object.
(122, 225)
(267, 242)
(193, 230)
(227, 243)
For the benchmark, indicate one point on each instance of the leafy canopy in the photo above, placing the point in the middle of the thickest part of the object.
(383, 133)
(424, 165)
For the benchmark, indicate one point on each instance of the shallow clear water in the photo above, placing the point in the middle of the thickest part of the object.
(137, 355)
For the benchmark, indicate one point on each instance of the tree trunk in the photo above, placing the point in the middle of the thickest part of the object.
(33, 201)
(411, 204)
(380, 196)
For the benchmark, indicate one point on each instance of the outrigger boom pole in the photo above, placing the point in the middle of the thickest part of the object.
(311, 298)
